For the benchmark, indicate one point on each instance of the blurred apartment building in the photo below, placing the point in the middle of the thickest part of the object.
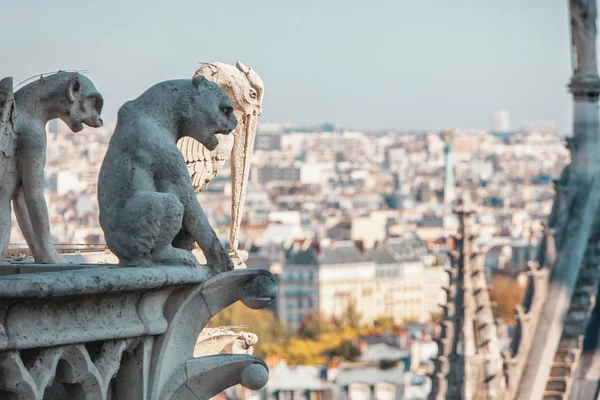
(399, 278)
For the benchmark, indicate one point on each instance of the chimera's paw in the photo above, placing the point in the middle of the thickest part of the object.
(190, 260)
(52, 259)
(238, 258)
(220, 262)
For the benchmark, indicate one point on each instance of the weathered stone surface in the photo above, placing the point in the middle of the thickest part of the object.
(214, 341)
(128, 332)
(222, 371)
(148, 207)
(122, 333)
(246, 91)
(564, 317)
(469, 362)
(69, 96)
(583, 34)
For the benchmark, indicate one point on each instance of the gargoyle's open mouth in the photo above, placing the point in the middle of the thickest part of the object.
(211, 142)
(76, 126)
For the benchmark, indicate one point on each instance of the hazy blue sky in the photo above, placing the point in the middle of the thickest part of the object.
(367, 64)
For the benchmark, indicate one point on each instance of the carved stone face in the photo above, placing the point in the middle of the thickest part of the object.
(85, 104)
(243, 86)
(209, 113)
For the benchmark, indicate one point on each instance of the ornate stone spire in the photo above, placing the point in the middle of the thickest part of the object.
(468, 365)
(564, 278)
(449, 186)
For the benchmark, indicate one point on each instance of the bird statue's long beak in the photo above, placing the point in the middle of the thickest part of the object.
(241, 158)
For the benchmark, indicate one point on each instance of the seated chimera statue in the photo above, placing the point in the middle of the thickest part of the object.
(148, 206)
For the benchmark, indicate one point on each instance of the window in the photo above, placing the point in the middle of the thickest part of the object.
(303, 276)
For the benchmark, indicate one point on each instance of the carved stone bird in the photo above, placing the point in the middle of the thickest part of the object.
(245, 90)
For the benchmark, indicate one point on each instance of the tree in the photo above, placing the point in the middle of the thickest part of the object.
(312, 326)
(383, 324)
(388, 364)
(347, 350)
(506, 293)
(351, 318)
(317, 338)
(272, 335)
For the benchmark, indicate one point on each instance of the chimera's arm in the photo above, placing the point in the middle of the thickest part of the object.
(197, 225)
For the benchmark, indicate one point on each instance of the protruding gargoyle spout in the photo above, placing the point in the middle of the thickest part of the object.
(246, 91)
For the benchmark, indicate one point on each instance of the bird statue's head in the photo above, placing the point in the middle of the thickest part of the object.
(245, 90)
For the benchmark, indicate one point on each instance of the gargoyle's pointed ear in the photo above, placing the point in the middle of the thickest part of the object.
(199, 80)
(73, 86)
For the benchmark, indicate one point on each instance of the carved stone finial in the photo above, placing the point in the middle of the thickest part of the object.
(224, 341)
(465, 205)
(583, 35)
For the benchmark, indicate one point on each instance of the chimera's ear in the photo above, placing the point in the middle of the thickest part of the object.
(199, 80)
(73, 87)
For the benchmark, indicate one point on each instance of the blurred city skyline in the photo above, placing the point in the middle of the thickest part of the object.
(375, 65)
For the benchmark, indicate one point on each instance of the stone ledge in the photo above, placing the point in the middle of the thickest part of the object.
(131, 330)
(32, 280)
(104, 303)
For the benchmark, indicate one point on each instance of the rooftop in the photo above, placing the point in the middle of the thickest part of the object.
(344, 252)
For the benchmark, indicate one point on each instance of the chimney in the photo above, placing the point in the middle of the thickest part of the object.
(332, 370)
(363, 346)
(316, 244)
(360, 244)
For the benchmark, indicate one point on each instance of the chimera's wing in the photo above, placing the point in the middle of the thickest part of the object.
(202, 164)
(8, 140)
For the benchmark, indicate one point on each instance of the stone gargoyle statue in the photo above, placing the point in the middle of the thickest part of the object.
(68, 96)
(224, 341)
(245, 90)
(148, 207)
